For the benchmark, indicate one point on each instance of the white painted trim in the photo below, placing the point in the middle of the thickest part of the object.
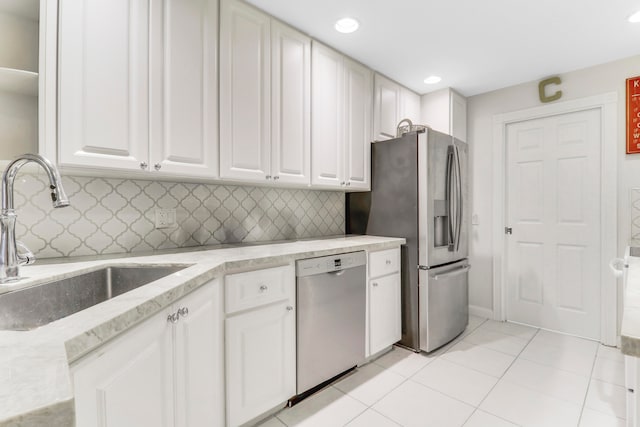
(483, 312)
(607, 104)
(48, 83)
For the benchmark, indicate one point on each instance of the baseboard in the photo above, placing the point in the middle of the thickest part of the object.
(485, 313)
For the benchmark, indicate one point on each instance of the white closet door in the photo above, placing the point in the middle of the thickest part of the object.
(553, 258)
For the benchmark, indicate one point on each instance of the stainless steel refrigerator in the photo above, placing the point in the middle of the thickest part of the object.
(419, 191)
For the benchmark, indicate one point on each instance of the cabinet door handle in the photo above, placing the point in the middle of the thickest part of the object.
(268, 177)
(143, 165)
(375, 284)
(275, 178)
(348, 183)
(342, 182)
(263, 288)
(184, 311)
(388, 262)
(157, 166)
(289, 308)
(173, 318)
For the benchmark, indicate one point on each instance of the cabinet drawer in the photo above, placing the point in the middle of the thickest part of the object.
(384, 262)
(255, 288)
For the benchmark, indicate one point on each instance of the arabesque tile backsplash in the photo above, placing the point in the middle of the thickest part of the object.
(118, 215)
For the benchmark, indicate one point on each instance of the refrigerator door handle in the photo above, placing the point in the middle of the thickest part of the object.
(451, 273)
(450, 200)
(459, 204)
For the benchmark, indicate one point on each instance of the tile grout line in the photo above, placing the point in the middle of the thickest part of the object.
(584, 400)
(501, 377)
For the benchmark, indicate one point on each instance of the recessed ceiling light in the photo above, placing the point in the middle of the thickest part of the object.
(635, 18)
(431, 80)
(346, 25)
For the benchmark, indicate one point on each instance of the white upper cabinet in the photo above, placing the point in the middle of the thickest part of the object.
(264, 97)
(245, 92)
(341, 120)
(291, 105)
(446, 111)
(111, 97)
(409, 106)
(392, 103)
(357, 158)
(327, 97)
(386, 113)
(184, 93)
(103, 83)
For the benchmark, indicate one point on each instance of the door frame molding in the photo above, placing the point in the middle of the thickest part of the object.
(607, 104)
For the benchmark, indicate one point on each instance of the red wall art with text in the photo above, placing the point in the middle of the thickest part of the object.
(633, 115)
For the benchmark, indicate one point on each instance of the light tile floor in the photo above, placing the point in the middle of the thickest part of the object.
(495, 374)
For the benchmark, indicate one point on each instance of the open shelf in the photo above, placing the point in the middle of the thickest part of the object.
(18, 81)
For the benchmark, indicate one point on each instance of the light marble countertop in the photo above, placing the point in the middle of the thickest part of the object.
(630, 329)
(35, 383)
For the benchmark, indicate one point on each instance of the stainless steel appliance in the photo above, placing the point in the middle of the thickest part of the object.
(419, 192)
(331, 297)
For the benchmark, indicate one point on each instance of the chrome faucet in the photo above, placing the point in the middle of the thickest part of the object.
(10, 259)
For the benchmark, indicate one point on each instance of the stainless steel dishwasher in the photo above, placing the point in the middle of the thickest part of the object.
(331, 296)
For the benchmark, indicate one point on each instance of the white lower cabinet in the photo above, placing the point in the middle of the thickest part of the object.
(260, 342)
(159, 373)
(385, 322)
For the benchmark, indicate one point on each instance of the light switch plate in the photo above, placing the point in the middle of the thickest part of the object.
(165, 218)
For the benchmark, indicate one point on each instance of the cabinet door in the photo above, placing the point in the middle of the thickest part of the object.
(386, 108)
(409, 106)
(199, 359)
(358, 104)
(184, 92)
(458, 116)
(261, 365)
(103, 83)
(384, 312)
(128, 382)
(327, 117)
(245, 85)
(290, 104)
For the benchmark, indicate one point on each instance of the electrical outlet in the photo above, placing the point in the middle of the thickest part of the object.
(165, 218)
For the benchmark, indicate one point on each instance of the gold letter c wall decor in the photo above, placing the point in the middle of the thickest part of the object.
(542, 86)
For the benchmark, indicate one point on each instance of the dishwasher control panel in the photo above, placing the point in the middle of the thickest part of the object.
(311, 266)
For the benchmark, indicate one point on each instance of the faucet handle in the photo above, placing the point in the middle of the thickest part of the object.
(25, 257)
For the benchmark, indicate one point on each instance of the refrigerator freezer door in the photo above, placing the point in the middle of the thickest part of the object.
(444, 301)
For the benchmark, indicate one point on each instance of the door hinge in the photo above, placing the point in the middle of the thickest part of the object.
(508, 230)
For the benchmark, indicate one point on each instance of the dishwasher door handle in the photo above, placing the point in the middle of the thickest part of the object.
(337, 272)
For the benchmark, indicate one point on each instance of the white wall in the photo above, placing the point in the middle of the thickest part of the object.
(596, 80)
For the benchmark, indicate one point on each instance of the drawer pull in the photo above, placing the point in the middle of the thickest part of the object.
(289, 308)
(388, 262)
(375, 284)
(263, 288)
(184, 311)
(173, 318)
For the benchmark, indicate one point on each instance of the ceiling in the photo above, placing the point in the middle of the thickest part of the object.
(476, 46)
